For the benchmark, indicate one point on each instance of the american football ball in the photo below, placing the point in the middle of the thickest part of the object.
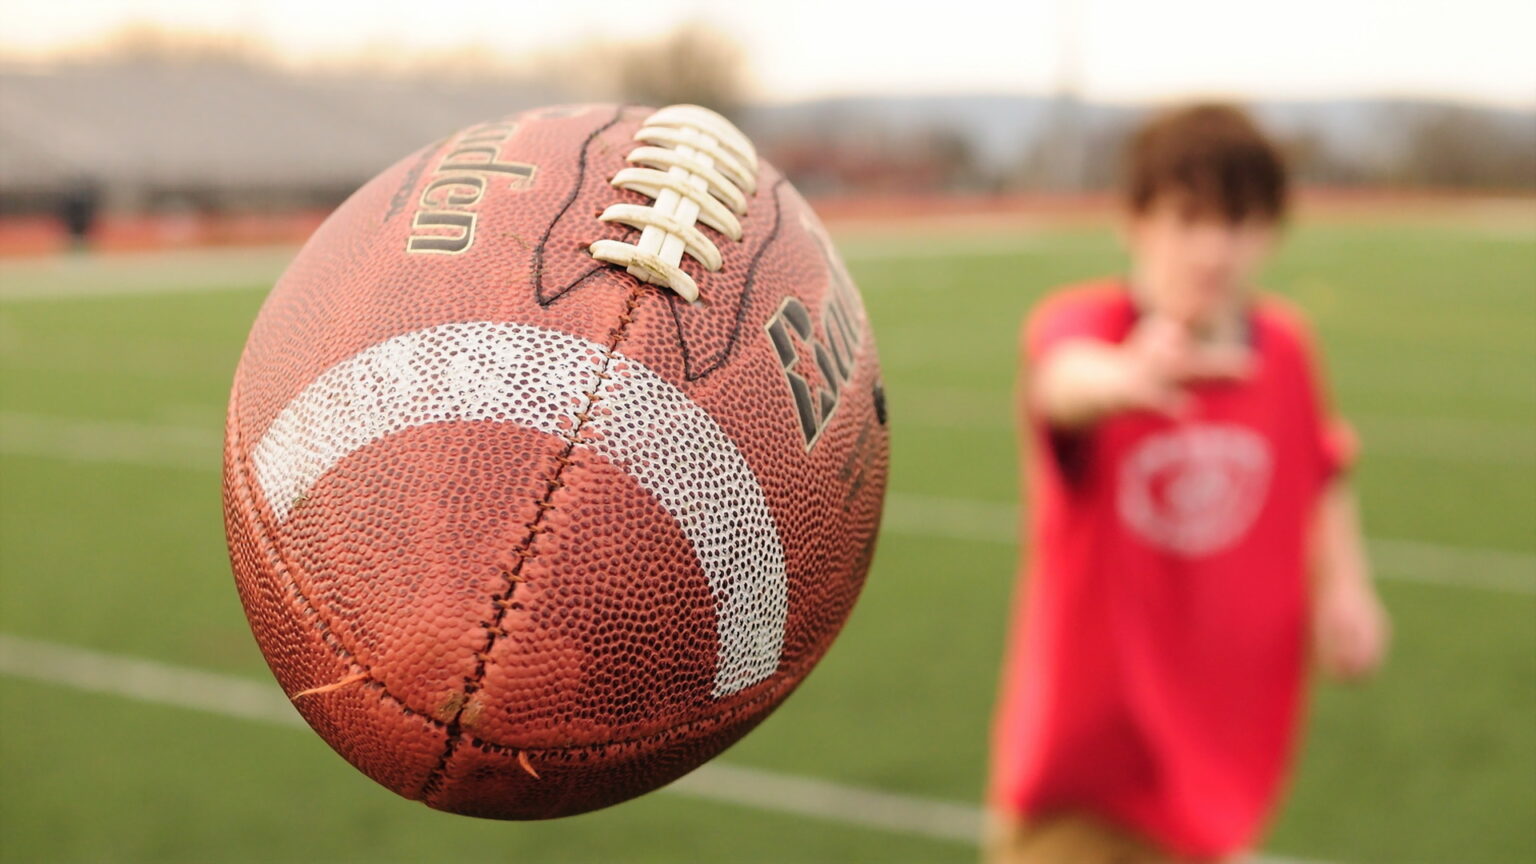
(555, 460)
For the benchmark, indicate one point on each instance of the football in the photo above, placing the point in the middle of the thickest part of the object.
(555, 460)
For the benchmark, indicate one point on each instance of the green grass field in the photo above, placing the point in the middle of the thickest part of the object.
(111, 540)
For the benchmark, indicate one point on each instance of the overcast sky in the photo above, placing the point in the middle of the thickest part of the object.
(1124, 49)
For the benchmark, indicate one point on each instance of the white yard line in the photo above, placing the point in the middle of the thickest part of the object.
(1407, 436)
(1495, 570)
(112, 441)
(188, 447)
(959, 245)
(209, 271)
(145, 681)
(198, 271)
(246, 699)
(157, 683)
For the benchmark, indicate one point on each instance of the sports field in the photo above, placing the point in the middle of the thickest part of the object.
(138, 722)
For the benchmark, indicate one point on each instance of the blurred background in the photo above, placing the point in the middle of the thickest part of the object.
(161, 160)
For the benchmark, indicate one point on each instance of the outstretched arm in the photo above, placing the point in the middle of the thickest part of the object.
(1082, 381)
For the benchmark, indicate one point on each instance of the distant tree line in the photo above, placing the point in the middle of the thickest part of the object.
(1420, 145)
(1427, 145)
(1433, 146)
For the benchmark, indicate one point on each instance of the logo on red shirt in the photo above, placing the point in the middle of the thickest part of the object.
(1195, 490)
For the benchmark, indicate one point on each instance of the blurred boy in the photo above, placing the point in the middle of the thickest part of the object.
(1191, 528)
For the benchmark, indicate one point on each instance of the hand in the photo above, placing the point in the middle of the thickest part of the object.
(1350, 630)
(1162, 357)
(1085, 380)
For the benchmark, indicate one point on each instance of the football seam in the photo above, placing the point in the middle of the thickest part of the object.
(772, 694)
(333, 637)
(689, 374)
(502, 601)
(329, 633)
(581, 180)
(293, 593)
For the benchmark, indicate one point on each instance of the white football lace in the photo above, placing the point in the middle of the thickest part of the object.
(696, 167)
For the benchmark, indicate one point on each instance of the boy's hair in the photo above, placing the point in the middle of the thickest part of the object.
(1213, 157)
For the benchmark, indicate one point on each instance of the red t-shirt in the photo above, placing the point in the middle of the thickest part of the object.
(1155, 669)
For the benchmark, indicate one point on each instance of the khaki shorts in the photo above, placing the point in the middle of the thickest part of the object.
(1068, 839)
